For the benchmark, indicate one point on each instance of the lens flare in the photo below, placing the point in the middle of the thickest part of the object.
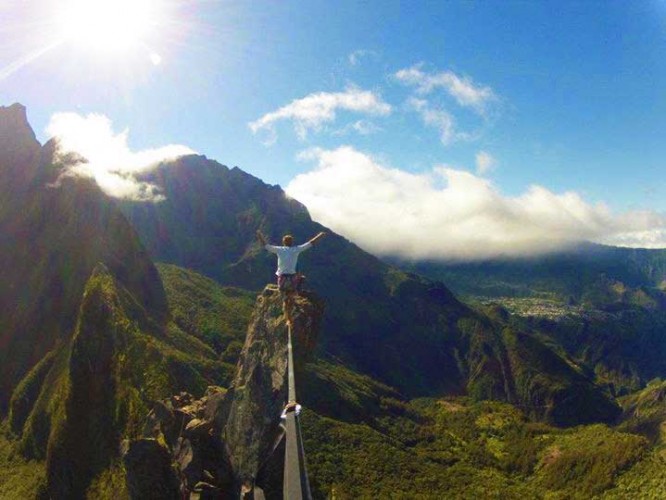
(108, 25)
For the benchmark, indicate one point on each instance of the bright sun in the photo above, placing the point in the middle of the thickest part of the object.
(108, 25)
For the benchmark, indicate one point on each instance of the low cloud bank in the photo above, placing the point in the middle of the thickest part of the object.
(453, 214)
(109, 159)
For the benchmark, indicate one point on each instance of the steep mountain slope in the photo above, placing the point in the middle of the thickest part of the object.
(74, 408)
(364, 440)
(52, 237)
(605, 306)
(408, 332)
(208, 223)
(87, 339)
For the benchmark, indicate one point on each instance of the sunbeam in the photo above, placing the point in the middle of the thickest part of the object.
(13, 67)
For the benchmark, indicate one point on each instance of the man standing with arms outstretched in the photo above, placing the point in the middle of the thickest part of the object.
(288, 279)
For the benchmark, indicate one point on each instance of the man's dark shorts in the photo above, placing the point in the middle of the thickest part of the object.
(290, 282)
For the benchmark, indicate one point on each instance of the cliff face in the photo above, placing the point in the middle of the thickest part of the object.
(231, 439)
(259, 391)
(19, 151)
(52, 235)
(84, 439)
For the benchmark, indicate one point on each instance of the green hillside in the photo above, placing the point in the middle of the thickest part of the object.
(456, 448)
(117, 364)
(604, 306)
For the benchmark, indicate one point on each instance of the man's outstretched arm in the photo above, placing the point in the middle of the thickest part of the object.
(317, 238)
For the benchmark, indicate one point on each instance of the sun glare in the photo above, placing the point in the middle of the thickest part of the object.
(108, 25)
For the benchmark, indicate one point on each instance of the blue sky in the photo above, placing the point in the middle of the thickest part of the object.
(566, 96)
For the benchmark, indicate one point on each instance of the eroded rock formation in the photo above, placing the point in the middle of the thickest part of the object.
(228, 441)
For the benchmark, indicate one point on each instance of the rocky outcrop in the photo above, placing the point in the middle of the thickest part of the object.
(225, 442)
(93, 413)
(150, 474)
(181, 437)
(19, 150)
(259, 391)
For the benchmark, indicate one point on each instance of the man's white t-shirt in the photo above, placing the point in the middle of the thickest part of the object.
(287, 257)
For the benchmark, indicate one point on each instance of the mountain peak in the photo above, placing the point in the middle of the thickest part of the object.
(14, 125)
(19, 148)
(17, 110)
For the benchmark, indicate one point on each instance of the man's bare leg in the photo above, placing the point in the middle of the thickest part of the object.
(288, 305)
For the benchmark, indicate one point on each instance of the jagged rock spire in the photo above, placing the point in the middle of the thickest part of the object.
(228, 440)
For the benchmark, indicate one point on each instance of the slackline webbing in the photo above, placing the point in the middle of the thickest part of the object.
(296, 485)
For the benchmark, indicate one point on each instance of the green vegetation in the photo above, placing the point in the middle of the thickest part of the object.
(646, 480)
(364, 441)
(335, 391)
(90, 393)
(215, 315)
(604, 306)
(19, 478)
(110, 484)
(37, 429)
(456, 448)
(584, 462)
(645, 412)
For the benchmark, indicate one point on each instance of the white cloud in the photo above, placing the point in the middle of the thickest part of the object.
(440, 119)
(453, 214)
(654, 238)
(109, 160)
(485, 163)
(465, 92)
(314, 110)
(361, 127)
(355, 57)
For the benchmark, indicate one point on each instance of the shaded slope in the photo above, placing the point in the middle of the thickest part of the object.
(624, 347)
(100, 386)
(408, 332)
(188, 359)
(644, 412)
(52, 236)
(605, 306)
(378, 317)
(85, 436)
(217, 316)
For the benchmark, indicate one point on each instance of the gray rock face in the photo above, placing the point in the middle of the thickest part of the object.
(149, 471)
(19, 149)
(220, 444)
(259, 391)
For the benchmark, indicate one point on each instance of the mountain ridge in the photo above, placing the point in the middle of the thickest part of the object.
(378, 318)
(53, 236)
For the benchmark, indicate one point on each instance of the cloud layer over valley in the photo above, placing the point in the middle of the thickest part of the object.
(449, 213)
